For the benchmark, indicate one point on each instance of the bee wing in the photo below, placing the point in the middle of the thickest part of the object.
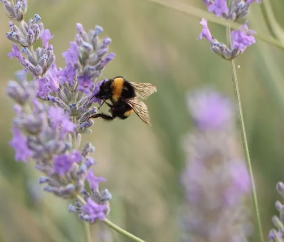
(140, 109)
(143, 90)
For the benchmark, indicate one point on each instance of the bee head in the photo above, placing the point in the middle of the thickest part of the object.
(105, 91)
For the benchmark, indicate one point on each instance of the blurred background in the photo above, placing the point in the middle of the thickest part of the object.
(143, 164)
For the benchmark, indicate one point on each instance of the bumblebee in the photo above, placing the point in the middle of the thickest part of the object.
(123, 96)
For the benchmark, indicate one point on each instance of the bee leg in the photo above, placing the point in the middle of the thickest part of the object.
(102, 115)
(109, 105)
(101, 104)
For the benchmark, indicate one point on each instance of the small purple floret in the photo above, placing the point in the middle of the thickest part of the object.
(19, 143)
(205, 31)
(60, 120)
(46, 37)
(63, 163)
(94, 210)
(16, 53)
(107, 59)
(243, 38)
(95, 91)
(85, 84)
(67, 74)
(93, 180)
(218, 7)
(71, 55)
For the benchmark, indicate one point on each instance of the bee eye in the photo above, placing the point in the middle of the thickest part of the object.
(125, 88)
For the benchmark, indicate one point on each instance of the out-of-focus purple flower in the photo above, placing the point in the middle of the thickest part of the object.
(207, 2)
(76, 156)
(209, 109)
(16, 53)
(46, 37)
(218, 7)
(95, 91)
(67, 74)
(93, 180)
(63, 163)
(19, 143)
(205, 31)
(95, 211)
(71, 55)
(60, 120)
(240, 182)
(242, 38)
(215, 178)
(85, 84)
(44, 88)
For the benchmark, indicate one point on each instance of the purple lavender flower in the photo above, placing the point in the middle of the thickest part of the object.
(16, 53)
(51, 76)
(43, 135)
(106, 60)
(67, 74)
(95, 211)
(63, 163)
(209, 109)
(19, 143)
(85, 84)
(205, 31)
(218, 7)
(93, 180)
(44, 88)
(242, 38)
(60, 119)
(95, 91)
(215, 179)
(71, 55)
(46, 37)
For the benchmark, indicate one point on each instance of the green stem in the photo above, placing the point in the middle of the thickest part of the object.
(199, 13)
(122, 231)
(244, 138)
(114, 226)
(87, 231)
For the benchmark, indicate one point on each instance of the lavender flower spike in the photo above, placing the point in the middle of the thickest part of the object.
(215, 178)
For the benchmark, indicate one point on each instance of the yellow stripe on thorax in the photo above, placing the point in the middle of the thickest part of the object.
(117, 87)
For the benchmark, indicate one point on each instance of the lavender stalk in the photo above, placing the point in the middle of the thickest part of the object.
(244, 140)
(215, 179)
(238, 41)
(53, 112)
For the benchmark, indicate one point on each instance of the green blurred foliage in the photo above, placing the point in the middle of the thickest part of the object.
(143, 164)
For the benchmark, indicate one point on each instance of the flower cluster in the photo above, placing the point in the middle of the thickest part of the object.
(237, 10)
(277, 235)
(53, 110)
(240, 39)
(215, 179)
